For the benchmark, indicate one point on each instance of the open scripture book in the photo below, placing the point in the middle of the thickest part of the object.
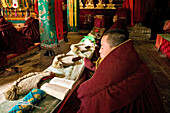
(58, 87)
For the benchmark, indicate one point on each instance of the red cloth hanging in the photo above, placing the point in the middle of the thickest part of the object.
(59, 18)
(129, 5)
(138, 9)
(36, 7)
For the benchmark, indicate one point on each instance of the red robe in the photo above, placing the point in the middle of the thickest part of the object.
(3, 61)
(31, 31)
(122, 12)
(11, 41)
(122, 84)
(119, 24)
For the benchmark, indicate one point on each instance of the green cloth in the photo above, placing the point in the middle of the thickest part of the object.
(90, 38)
(47, 26)
(165, 36)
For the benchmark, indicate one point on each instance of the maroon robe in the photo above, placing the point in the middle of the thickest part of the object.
(31, 31)
(119, 24)
(3, 61)
(11, 41)
(122, 84)
(122, 12)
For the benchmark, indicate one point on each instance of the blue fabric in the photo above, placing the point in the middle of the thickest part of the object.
(17, 21)
(31, 99)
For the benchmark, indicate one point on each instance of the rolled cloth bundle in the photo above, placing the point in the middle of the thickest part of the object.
(25, 84)
(64, 60)
(81, 47)
(29, 101)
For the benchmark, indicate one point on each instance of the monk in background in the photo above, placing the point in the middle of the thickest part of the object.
(11, 42)
(30, 31)
(120, 19)
(121, 83)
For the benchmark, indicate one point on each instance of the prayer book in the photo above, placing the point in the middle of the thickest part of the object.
(58, 87)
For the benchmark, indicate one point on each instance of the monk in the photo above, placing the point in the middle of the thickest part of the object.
(11, 41)
(120, 19)
(119, 23)
(30, 31)
(121, 83)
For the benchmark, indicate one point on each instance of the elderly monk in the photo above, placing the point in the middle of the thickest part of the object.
(30, 31)
(121, 83)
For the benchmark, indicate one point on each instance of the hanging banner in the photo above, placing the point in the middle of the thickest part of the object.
(72, 15)
(47, 24)
(59, 19)
(36, 6)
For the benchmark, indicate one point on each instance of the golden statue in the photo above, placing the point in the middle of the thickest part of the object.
(110, 5)
(89, 4)
(100, 5)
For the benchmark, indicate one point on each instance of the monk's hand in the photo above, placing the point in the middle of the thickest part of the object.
(89, 64)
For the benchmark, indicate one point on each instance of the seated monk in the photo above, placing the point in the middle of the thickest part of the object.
(11, 41)
(119, 23)
(120, 19)
(121, 83)
(30, 31)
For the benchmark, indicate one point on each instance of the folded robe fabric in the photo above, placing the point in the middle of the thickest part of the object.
(31, 99)
(121, 84)
(25, 84)
(120, 24)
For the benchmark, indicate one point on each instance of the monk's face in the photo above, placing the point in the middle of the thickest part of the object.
(105, 48)
(115, 18)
